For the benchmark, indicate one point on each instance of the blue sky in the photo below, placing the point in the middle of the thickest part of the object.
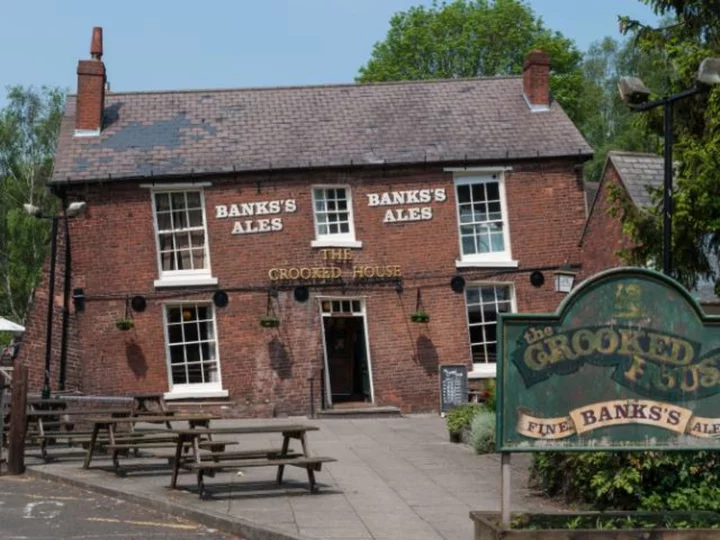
(163, 44)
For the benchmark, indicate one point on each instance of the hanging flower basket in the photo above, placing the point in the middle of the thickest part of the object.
(420, 317)
(269, 322)
(124, 324)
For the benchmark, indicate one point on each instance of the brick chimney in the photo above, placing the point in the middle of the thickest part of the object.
(91, 89)
(536, 80)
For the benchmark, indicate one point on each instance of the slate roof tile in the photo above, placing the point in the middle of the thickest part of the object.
(208, 131)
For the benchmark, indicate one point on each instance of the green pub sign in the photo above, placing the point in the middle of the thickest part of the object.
(628, 362)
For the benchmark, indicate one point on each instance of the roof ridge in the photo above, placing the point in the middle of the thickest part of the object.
(313, 86)
(635, 154)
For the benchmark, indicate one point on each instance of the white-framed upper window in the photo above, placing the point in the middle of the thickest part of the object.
(192, 350)
(483, 302)
(333, 217)
(181, 237)
(483, 220)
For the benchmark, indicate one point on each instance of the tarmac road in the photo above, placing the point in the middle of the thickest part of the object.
(34, 509)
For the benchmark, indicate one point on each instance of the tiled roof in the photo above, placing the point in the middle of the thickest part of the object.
(178, 133)
(639, 172)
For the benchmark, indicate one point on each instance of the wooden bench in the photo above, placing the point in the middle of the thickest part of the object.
(311, 464)
(215, 447)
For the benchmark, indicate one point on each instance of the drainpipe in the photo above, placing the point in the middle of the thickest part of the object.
(66, 301)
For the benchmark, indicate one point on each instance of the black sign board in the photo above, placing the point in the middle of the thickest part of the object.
(453, 386)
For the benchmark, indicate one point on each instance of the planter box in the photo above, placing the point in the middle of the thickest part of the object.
(488, 526)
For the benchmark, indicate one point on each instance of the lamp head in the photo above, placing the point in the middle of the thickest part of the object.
(709, 72)
(76, 208)
(633, 91)
(32, 210)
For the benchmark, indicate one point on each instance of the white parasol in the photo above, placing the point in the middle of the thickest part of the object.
(9, 326)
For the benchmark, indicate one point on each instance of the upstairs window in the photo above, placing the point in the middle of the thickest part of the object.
(332, 211)
(181, 234)
(482, 219)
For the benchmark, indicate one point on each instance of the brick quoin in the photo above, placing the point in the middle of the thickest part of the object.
(267, 371)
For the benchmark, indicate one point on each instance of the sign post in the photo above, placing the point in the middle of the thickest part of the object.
(628, 362)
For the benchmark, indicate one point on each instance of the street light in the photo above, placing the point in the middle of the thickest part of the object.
(635, 95)
(74, 209)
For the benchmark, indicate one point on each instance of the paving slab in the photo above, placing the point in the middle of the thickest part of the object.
(395, 478)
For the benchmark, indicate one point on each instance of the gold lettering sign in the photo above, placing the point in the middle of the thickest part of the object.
(360, 271)
(615, 413)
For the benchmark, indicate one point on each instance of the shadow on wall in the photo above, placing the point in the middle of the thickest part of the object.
(136, 359)
(279, 358)
(427, 355)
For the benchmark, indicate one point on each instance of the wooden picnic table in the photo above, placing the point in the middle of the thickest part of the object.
(141, 401)
(247, 458)
(109, 424)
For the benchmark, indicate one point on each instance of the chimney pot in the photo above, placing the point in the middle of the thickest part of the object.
(91, 89)
(96, 45)
(536, 80)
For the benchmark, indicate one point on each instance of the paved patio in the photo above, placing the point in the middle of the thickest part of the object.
(396, 478)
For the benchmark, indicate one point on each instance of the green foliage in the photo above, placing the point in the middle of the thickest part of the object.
(607, 124)
(29, 124)
(652, 481)
(482, 432)
(696, 126)
(461, 417)
(472, 38)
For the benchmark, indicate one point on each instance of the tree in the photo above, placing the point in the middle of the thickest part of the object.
(696, 125)
(608, 124)
(29, 125)
(473, 38)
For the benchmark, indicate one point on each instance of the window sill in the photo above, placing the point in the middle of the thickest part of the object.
(486, 264)
(185, 281)
(197, 394)
(329, 242)
(487, 371)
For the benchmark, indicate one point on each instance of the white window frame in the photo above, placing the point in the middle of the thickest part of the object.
(181, 278)
(486, 370)
(362, 313)
(496, 259)
(339, 239)
(196, 390)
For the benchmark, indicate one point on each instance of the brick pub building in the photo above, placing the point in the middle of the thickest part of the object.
(335, 212)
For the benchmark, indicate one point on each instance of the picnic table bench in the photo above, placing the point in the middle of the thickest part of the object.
(46, 426)
(203, 464)
(138, 439)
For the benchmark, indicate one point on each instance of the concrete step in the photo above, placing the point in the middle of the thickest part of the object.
(360, 412)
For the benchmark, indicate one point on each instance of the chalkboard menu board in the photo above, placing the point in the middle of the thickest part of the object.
(453, 386)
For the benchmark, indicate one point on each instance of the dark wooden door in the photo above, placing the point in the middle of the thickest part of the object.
(340, 338)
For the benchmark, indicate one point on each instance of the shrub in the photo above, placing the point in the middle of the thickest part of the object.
(651, 481)
(482, 432)
(489, 396)
(461, 417)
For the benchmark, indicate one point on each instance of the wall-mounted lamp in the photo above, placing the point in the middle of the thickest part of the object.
(399, 287)
(564, 281)
(221, 299)
(457, 284)
(138, 303)
(537, 279)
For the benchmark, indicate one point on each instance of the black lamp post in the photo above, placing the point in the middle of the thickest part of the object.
(635, 95)
(74, 209)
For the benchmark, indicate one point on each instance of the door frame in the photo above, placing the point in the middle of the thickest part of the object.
(362, 313)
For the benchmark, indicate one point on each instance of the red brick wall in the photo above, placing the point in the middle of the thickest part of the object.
(266, 370)
(603, 237)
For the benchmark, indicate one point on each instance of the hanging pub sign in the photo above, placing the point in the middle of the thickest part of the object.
(628, 362)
